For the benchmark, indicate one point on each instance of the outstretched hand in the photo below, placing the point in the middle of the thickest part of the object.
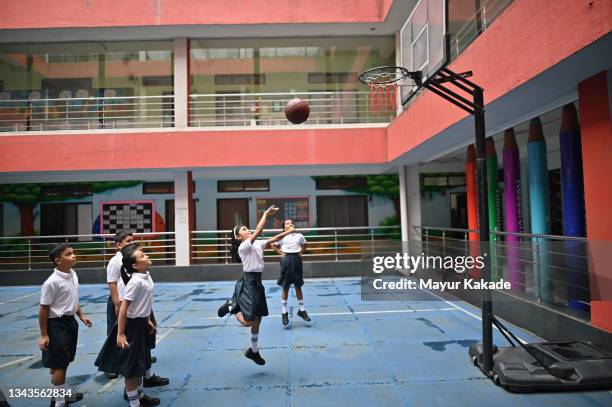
(272, 210)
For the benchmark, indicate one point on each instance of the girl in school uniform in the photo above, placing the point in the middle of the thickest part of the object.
(249, 300)
(127, 350)
(115, 283)
(59, 331)
(291, 248)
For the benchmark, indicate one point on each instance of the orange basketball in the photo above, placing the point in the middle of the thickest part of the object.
(297, 111)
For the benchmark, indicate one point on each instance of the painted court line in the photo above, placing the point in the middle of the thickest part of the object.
(17, 361)
(18, 298)
(469, 313)
(392, 311)
(162, 337)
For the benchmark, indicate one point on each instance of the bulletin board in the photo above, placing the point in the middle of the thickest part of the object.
(295, 208)
(132, 216)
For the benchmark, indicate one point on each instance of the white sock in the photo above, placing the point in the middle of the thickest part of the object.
(140, 390)
(148, 374)
(284, 302)
(254, 339)
(301, 302)
(133, 398)
(60, 401)
(51, 375)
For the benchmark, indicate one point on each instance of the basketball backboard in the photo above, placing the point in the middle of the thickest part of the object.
(424, 42)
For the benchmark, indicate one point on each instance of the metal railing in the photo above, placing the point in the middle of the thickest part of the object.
(324, 244)
(268, 109)
(547, 269)
(93, 251)
(116, 112)
(489, 11)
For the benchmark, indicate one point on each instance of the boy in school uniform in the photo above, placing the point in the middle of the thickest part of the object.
(59, 303)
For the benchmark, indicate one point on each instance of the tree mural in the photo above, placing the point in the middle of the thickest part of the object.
(27, 196)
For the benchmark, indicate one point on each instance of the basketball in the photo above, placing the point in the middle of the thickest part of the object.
(297, 111)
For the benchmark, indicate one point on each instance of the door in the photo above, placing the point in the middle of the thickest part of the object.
(342, 211)
(230, 213)
(66, 219)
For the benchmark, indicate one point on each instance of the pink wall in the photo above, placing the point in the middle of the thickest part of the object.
(112, 13)
(192, 149)
(523, 42)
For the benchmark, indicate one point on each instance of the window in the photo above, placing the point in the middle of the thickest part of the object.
(66, 190)
(332, 77)
(1, 220)
(149, 188)
(240, 79)
(243, 186)
(157, 81)
(443, 180)
(341, 182)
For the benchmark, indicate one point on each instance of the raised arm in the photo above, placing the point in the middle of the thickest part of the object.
(280, 236)
(262, 222)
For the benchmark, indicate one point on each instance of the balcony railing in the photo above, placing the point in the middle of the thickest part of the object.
(546, 269)
(87, 113)
(268, 109)
(324, 244)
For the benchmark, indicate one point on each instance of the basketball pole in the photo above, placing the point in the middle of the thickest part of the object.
(475, 107)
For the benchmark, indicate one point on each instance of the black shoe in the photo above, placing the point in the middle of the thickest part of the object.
(146, 401)
(224, 309)
(285, 318)
(112, 375)
(254, 356)
(153, 359)
(155, 381)
(76, 396)
(303, 315)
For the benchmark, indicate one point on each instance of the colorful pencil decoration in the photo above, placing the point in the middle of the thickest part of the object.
(538, 204)
(492, 193)
(471, 192)
(512, 209)
(572, 189)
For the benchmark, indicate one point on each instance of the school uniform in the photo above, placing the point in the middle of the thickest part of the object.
(136, 359)
(113, 275)
(249, 293)
(61, 293)
(291, 271)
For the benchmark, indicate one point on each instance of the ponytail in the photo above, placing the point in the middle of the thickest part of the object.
(234, 244)
(128, 262)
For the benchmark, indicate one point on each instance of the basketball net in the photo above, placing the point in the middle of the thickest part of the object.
(383, 97)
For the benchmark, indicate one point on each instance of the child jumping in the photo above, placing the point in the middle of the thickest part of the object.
(249, 300)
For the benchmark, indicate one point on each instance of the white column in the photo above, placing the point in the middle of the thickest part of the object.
(182, 199)
(403, 203)
(413, 187)
(410, 204)
(181, 82)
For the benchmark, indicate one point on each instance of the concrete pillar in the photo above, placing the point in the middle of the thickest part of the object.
(410, 205)
(181, 82)
(183, 216)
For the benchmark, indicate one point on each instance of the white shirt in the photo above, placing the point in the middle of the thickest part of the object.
(61, 292)
(251, 255)
(292, 243)
(139, 291)
(113, 273)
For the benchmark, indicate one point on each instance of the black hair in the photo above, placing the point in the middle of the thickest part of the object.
(127, 267)
(121, 235)
(284, 221)
(234, 243)
(56, 252)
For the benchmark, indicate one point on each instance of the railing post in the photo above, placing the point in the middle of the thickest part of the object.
(372, 241)
(227, 236)
(536, 270)
(336, 243)
(427, 241)
(29, 255)
(443, 243)
(467, 244)
(103, 252)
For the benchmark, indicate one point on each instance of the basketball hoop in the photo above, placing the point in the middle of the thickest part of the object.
(384, 82)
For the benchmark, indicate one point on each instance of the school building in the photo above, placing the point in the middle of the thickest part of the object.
(167, 118)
